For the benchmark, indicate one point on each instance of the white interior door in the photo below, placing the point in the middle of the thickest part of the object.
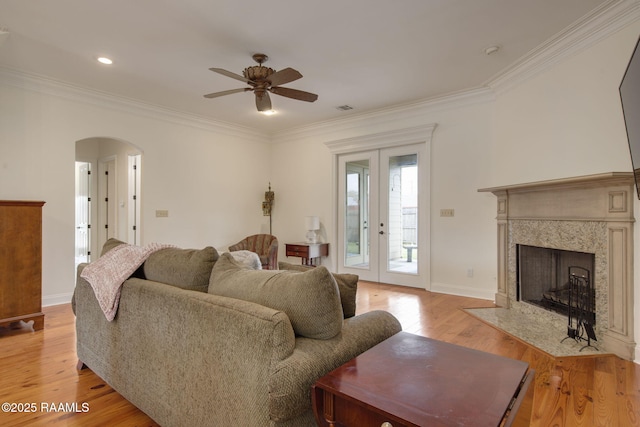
(134, 199)
(83, 212)
(107, 193)
(383, 215)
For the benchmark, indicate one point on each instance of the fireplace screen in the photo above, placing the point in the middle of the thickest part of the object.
(581, 306)
(544, 278)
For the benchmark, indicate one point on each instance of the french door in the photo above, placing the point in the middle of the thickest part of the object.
(382, 218)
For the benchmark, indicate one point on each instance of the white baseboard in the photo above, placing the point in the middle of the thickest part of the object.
(463, 291)
(56, 299)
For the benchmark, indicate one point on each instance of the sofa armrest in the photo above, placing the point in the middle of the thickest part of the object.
(78, 278)
(290, 385)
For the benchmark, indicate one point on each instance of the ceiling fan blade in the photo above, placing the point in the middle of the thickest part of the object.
(263, 101)
(286, 75)
(294, 94)
(226, 92)
(229, 74)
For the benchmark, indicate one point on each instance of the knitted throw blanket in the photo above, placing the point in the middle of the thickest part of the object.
(107, 274)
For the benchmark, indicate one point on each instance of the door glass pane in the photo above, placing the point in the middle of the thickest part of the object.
(402, 234)
(356, 214)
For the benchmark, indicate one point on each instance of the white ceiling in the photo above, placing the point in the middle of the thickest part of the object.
(369, 54)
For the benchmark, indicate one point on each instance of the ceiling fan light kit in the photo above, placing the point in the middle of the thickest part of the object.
(263, 80)
(257, 72)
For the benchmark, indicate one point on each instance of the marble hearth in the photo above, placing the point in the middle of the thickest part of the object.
(592, 214)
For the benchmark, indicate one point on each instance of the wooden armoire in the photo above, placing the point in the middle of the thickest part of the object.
(21, 262)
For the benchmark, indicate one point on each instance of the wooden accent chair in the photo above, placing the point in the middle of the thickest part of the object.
(265, 245)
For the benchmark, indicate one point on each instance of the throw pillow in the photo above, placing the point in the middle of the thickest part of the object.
(347, 285)
(310, 299)
(184, 268)
(248, 258)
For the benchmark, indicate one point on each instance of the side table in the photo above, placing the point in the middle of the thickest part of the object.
(409, 380)
(307, 251)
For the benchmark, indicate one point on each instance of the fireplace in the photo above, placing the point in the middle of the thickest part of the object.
(589, 215)
(544, 278)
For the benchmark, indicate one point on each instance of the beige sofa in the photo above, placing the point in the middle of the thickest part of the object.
(202, 340)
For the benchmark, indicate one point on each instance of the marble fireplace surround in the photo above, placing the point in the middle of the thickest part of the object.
(591, 214)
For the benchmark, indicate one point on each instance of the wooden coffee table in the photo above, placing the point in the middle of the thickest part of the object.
(409, 380)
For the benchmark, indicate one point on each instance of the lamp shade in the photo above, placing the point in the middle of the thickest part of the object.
(312, 222)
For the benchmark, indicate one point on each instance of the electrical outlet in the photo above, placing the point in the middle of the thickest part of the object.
(446, 212)
(470, 272)
(162, 213)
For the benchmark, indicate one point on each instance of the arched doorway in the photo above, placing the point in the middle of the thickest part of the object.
(107, 202)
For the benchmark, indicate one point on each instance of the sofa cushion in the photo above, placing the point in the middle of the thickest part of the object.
(311, 299)
(347, 285)
(184, 268)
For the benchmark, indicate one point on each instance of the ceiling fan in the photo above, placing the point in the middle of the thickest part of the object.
(264, 80)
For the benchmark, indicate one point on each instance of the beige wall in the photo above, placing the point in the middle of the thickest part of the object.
(565, 120)
(210, 180)
(458, 162)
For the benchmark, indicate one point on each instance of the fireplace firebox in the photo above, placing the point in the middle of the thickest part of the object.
(544, 279)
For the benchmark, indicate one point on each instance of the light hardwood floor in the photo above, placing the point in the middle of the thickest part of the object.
(40, 368)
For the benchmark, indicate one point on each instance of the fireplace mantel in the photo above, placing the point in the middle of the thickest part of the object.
(592, 214)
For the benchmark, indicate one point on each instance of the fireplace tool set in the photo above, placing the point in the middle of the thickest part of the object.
(581, 307)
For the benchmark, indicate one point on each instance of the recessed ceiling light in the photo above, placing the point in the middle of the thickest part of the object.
(104, 60)
(268, 112)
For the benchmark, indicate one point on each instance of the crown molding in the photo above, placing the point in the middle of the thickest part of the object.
(393, 138)
(390, 115)
(595, 26)
(602, 22)
(48, 86)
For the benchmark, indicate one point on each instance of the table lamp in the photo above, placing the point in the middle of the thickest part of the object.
(313, 224)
